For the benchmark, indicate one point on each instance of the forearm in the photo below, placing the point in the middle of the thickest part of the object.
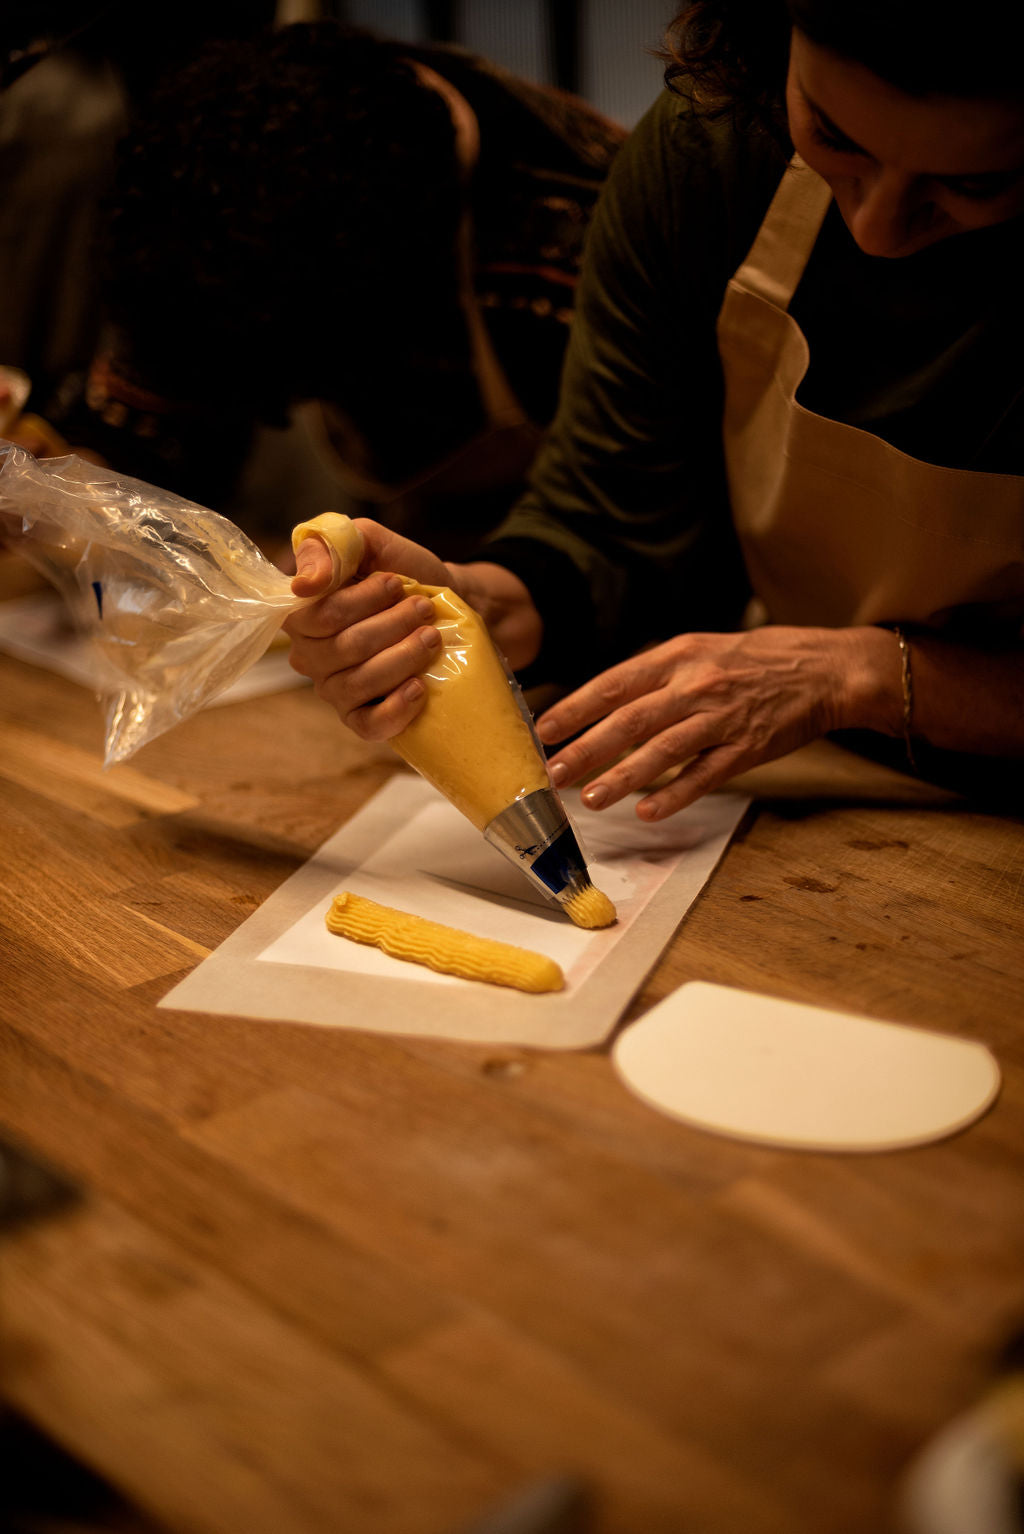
(964, 699)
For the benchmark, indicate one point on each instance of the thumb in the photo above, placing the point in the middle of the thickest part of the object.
(314, 568)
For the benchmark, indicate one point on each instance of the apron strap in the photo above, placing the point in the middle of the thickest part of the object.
(780, 252)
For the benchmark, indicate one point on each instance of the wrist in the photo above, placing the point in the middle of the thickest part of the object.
(503, 601)
(872, 695)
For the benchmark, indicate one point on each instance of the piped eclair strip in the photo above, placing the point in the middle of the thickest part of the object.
(441, 948)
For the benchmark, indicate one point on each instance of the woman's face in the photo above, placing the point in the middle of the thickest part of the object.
(906, 171)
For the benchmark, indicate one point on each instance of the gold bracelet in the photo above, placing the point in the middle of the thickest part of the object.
(907, 683)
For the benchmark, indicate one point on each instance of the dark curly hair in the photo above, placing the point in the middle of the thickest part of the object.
(285, 214)
(731, 56)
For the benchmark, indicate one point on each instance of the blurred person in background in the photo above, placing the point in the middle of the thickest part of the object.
(388, 236)
(71, 75)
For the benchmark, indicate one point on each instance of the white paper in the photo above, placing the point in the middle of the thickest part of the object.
(409, 848)
(431, 868)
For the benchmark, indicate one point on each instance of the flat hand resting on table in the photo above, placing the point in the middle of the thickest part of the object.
(716, 705)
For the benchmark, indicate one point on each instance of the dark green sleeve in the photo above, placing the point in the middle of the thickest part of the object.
(624, 535)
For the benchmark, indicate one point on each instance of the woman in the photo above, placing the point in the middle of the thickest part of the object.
(800, 385)
(389, 235)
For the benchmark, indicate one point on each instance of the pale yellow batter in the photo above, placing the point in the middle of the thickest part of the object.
(471, 740)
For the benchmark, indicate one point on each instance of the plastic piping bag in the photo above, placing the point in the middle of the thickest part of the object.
(177, 603)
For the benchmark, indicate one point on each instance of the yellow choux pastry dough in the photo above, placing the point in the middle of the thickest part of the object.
(441, 948)
(590, 907)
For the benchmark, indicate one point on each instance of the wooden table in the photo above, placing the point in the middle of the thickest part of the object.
(322, 1280)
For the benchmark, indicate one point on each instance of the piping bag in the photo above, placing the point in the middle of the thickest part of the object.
(176, 603)
(474, 741)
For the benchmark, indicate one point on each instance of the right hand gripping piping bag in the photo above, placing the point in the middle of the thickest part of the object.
(474, 741)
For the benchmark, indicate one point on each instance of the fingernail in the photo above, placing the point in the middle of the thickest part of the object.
(393, 586)
(594, 797)
(422, 607)
(411, 691)
(648, 810)
(559, 773)
(548, 732)
(430, 639)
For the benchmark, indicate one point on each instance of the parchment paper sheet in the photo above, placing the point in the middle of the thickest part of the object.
(410, 849)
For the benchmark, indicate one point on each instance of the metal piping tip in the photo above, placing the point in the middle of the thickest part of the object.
(534, 833)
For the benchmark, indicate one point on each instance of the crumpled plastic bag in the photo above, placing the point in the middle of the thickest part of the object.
(176, 600)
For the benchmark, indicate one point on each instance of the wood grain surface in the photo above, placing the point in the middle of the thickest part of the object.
(323, 1281)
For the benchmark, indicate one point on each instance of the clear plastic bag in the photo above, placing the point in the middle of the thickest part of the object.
(176, 600)
(178, 603)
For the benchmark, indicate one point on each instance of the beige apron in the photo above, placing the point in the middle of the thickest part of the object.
(836, 526)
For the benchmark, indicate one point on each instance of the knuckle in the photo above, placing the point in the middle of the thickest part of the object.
(580, 757)
(701, 770)
(702, 680)
(351, 649)
(689, 646)
(364, 642)
(360, 721)
(759, 736)
(612, 690)
(380, 721)
(621, 779)
(715, 682)
(675, 743)
(632, 722)
(421, 648)
(709, 770)
(381, 593)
